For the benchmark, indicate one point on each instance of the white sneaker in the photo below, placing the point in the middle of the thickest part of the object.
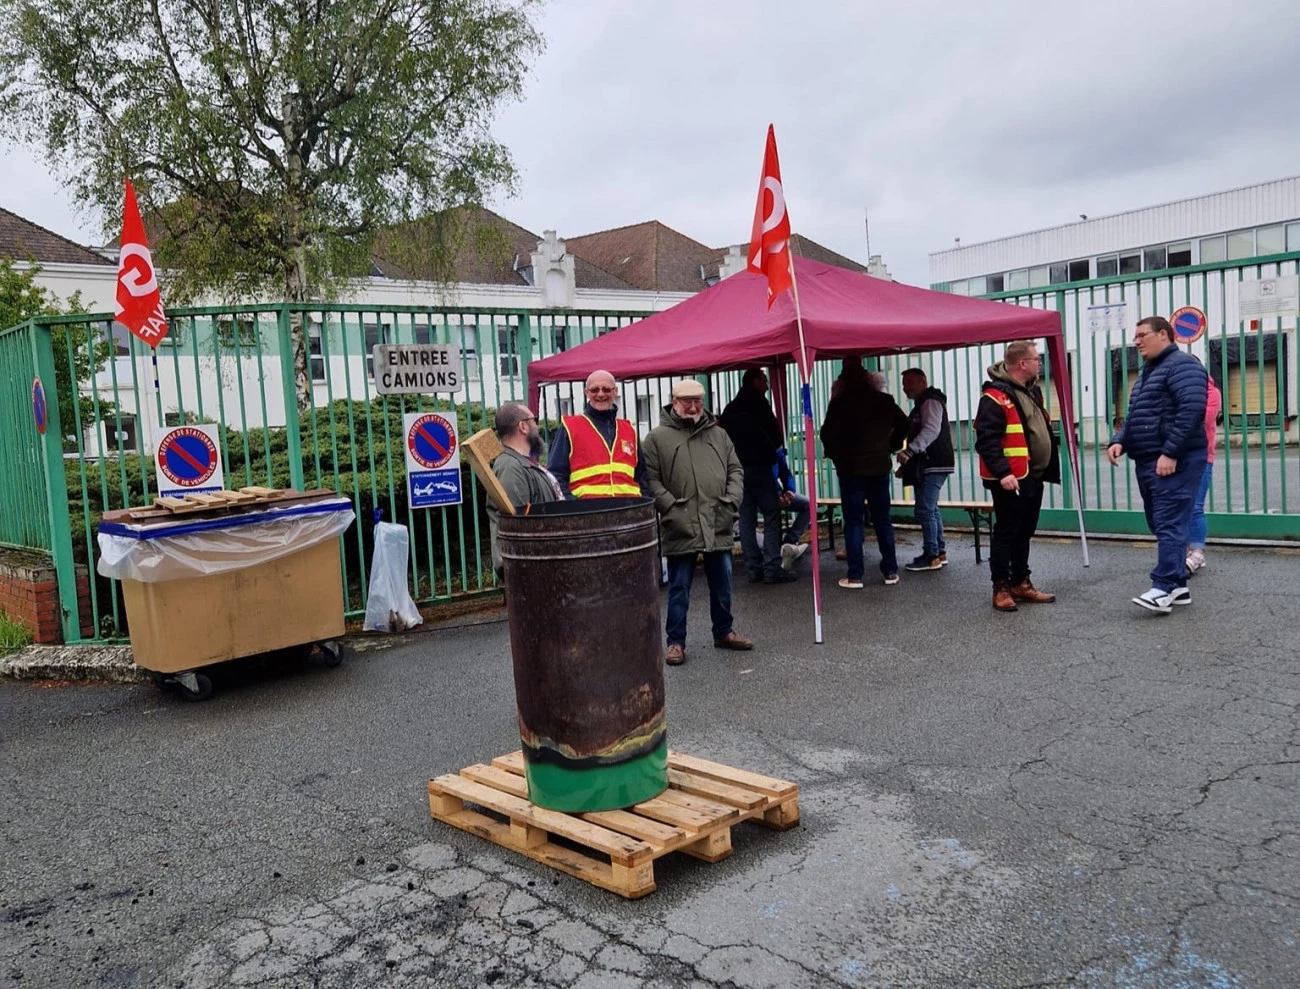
(1180, 595)
(1195, 561)
(1156, 600)
(791, 552)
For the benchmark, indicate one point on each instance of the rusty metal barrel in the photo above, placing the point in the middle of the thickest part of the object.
(583, 602)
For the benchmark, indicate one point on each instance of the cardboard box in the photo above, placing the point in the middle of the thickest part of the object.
(183, 624)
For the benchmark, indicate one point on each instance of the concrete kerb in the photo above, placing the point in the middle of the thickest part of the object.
(111, 664)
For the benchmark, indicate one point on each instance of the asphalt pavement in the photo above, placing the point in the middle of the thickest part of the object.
(1078, 794)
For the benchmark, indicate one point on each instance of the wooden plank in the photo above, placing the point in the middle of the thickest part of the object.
(620, 848)
(177, 506)
(670, 813)
(498, 779)
(258, 491)
(205, 501)
(652, 832)
(512, 763)
(723, 792)
(727, 774)
(482, 448)
(234, 497)
(711, 809)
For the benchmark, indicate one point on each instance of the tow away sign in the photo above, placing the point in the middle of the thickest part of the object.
(415, 368)
(432, 459)
(189, 460)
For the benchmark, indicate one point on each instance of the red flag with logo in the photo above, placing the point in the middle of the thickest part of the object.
(139, 303)
(769, 244)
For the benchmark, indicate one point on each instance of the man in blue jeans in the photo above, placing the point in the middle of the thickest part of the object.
(863, 428)
(1164, 435)
(926, 464)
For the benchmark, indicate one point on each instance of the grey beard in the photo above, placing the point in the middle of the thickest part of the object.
(536, 446)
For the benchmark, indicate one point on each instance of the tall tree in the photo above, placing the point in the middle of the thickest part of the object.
(269, 140)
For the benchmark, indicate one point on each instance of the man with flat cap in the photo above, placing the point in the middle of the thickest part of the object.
(696, 481)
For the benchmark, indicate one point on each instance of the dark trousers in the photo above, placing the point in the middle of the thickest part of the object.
(681, 572)
(1015, 519)
(874, 490)
(1168, 502)
(760, 495)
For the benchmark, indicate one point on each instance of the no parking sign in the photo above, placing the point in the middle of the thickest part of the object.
(189, 460)
(432, 459)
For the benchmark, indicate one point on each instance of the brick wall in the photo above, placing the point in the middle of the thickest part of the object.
(29, 593)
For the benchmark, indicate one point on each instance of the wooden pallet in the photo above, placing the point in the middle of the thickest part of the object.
(252, 497)
(617, 847)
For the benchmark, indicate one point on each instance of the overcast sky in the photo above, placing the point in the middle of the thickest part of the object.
(944, 118)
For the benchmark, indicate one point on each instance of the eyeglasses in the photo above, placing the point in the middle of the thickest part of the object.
(1139, 337)
(600, 390)
(690, 401)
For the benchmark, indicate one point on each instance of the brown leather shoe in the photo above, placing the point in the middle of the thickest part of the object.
(676, 655)
(1002, 599)
(733, 641)
(841, 554)
(1026, 591)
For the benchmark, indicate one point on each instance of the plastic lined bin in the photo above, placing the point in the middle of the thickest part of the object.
(203, 590)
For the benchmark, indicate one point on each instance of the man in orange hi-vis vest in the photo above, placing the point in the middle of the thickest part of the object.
(596, 454)
(1018, 454)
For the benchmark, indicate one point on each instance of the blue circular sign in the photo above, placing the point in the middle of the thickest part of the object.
(1188, 323)
(39, 412)
(187, 457)
(432, 441)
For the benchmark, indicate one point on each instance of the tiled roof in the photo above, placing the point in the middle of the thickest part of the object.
(491, 252)
(650, 255)
(804, 248)
(23, 240)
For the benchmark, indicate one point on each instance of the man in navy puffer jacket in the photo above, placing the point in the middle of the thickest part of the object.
(1164, 435)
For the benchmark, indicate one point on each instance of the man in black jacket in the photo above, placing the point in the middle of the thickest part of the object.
(1018, 454)
(863, 428)
(756, 435)
(926, 464)
(1164, 435)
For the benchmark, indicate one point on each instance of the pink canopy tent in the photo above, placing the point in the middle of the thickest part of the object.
(845, 313)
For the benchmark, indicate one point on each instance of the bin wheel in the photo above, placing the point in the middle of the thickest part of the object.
(203, 692)
(331, 653)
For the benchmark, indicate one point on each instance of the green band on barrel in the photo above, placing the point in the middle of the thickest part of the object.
(598, 787)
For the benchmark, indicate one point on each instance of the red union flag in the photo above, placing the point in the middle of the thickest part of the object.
(139, 303)
(769, 244)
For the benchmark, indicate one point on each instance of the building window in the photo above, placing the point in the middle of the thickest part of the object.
(1293, 236)
(1213, 250)
(1108, 266)
(1270, 240)
(566, 407)
(996, 283)
(1038, 277)
(118, 336)
(977, 286)
(1155, 259)
(226, 332)
(508, 351)
(1180, 255)
(560, 339)
(1130, 264)
(469, 351)
(121, 439)
(423, 333)
(960, 288)
(1018, 279)
(375, 334)
(643, 408)
(1080, 270)
(1241, 245)
(315, 351)
(1060, 273)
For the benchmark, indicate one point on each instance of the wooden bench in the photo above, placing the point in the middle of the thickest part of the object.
(980, 512)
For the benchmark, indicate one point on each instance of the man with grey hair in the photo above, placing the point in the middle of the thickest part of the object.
(524, 480)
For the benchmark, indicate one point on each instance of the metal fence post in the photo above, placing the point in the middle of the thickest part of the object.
(56, 484)
(292, 424)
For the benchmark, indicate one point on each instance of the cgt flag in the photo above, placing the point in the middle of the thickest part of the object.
(139, 303)
(769, 244)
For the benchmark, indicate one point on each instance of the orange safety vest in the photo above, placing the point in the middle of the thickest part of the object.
(597, 470)
(1014, 446)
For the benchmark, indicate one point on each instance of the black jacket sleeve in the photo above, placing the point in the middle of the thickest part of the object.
(990, 427)
(557, 461)
(902, 426)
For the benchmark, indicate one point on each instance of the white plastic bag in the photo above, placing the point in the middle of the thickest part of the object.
(389, 607)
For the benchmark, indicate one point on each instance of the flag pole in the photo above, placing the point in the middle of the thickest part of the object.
(809, 442)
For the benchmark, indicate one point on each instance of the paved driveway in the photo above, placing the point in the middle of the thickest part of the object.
(1075, 795)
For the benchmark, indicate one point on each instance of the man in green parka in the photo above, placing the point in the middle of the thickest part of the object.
(695, 478)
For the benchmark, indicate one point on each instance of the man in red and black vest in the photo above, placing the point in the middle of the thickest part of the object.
(1018, 455)
(596, 454)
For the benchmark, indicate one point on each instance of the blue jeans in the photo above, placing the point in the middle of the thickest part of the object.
(874, 490)
(1199, 528)
(760, 495)
(1168, 505)
(681, 571)
(802, 515)
(927, 513)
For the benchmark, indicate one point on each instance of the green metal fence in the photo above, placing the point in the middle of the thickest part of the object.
(228, 366)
